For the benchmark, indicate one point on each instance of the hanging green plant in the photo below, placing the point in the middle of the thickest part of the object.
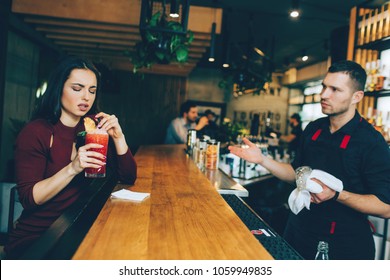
(163, 42)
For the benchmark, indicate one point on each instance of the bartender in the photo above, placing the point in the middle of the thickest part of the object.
(344, 145)
(293, 138)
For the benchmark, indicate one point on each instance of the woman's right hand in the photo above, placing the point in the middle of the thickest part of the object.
(85, 158)
(251, 154)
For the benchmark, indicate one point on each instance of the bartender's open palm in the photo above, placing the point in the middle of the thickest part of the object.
(251, 154)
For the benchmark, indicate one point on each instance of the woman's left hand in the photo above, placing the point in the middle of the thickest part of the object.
(110, 123)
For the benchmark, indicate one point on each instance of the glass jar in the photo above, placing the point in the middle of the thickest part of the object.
(212, 154)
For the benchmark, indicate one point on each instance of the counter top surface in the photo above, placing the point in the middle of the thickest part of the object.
(184, 218)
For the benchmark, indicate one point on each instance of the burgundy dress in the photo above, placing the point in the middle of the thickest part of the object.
(35, 161)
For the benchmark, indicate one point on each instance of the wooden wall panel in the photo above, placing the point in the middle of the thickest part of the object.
(5, 8)
(145, 105)
(20, 86)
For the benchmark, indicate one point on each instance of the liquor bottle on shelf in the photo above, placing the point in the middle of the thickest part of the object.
(378, 122)
(374, 75)
(370, 116)
(380, 80)
(386, 128)
(369, 76)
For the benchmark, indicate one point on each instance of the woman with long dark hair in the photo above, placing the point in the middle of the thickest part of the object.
(49, 167)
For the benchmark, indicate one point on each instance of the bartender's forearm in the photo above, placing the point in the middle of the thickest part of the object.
(281, 170)
(368, 204)
(287, 138)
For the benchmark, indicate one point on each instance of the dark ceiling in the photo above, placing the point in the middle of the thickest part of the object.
(322, 27)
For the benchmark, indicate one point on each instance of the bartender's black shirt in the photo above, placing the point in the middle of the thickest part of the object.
(359, 156)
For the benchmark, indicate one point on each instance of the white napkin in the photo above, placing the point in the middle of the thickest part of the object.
(300, 198)
(129, 195)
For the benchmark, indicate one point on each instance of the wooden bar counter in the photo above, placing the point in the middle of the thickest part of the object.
(184, 218)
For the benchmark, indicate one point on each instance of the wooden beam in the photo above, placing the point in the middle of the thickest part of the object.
(90, 33)
(97, 40)
(40, 20)
(63, 44)
(352, 34)
(192, 57)
(167, 69)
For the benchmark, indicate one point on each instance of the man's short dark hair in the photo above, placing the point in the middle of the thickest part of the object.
(354, 70)
(186, 107)
(296, 116)
(209, 112)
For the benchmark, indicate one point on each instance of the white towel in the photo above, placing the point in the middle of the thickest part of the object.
(130, 195)
(300, 197)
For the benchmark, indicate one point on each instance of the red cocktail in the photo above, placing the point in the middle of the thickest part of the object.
(97, 136)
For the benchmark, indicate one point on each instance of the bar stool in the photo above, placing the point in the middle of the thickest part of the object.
(15, 208)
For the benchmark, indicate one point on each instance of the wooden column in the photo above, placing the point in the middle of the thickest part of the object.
(5, 8)
(352, 33)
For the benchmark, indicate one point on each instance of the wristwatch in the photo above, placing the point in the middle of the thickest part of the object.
(336, 196)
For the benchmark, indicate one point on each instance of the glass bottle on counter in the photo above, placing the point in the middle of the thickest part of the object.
(201, 154)
(195, 151)
(322, 251)
(191, 140)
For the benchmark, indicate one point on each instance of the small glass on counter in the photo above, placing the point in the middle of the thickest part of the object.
(212, 154)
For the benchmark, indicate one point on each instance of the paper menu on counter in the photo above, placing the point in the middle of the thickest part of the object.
(130, 195)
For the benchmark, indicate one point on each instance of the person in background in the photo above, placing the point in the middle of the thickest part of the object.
(211, 129)
(346, 146)
(178, 128)
(295, 135)
(49, 168)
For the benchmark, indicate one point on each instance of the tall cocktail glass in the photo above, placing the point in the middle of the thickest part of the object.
(97, 136)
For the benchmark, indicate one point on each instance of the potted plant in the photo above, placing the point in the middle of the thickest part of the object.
(162, 42)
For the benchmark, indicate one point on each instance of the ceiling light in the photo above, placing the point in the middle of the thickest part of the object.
(294, 12)
(258, 51)
(174, 10)
(304, 56)
(226, 64)
(212, 43)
